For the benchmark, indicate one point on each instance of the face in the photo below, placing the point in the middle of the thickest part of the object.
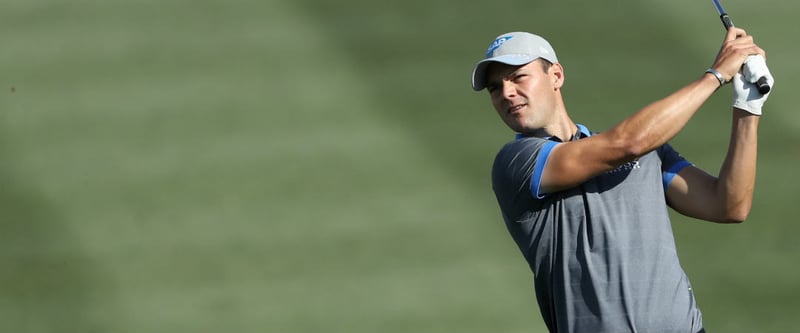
(524, 96)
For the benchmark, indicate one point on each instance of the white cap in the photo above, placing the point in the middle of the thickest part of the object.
(513, 48)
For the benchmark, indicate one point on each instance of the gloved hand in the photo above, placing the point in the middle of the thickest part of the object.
(754, 68)
(745, 93)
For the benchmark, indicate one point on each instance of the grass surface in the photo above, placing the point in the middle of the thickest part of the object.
(302, 166)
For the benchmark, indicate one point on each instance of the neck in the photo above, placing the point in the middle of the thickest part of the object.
(561, 127)
(563, 130)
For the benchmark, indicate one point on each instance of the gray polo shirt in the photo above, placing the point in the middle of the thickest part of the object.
(603, 253)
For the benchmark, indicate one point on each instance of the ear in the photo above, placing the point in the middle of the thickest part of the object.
(557, 75)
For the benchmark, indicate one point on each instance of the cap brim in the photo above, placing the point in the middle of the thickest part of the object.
(479, 71)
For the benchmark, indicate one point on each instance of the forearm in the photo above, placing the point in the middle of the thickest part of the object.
(660, 121)
(737, 175)
(657, 123)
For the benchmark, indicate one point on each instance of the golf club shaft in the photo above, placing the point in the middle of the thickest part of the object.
(726, 20)
(761, 83)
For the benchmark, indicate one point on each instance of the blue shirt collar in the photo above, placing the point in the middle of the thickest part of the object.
(583, 130)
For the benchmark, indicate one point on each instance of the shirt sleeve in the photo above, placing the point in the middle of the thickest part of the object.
(519, 165)
(671, 164)
(541, 161)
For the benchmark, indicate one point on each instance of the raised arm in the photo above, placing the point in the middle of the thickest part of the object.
(728, 198)
(572, 163)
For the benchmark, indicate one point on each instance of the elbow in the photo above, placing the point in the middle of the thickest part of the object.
(736, 215)
(636, 150)
(630, 148)
(734, 219)
(627, 145)
(635, 144)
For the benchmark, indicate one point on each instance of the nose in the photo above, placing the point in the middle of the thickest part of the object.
(509, 89)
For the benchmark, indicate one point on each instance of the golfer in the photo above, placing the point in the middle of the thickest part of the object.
(589, 210)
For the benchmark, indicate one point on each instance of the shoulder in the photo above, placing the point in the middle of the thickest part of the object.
(671, 159)
(519, 152)
(517, 160)
(522, 144)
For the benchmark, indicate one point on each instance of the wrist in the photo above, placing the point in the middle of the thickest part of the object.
(745, 114)
(717, 76)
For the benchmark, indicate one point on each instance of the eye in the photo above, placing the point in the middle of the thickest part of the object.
(491, 87)
(520, 77)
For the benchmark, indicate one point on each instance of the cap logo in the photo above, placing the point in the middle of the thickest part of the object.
(496, 44)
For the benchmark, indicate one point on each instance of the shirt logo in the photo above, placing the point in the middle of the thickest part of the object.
(496, 44)
(632, 165)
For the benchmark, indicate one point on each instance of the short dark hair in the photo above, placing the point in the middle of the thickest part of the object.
(545, 64)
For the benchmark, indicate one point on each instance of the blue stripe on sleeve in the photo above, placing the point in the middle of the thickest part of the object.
(668, 175)
(541, 160)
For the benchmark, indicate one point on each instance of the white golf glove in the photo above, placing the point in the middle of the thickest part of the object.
(745, 93)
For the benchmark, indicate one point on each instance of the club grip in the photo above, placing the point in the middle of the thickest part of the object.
(763, 86)
(726, 21)
(756, 67)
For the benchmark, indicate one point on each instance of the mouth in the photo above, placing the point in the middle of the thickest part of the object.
(516, 108)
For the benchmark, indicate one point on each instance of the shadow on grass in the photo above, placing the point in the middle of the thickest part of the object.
(47, 282)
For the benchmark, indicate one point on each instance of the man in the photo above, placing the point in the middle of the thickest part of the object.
(589, 210)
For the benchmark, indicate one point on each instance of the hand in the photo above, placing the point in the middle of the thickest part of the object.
(745, 93)
(755, 67)
(736, 48)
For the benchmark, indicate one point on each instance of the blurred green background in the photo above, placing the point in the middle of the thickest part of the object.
(321, 166)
